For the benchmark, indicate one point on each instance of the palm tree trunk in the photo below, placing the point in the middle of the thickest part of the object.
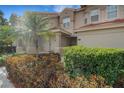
(36, 45)
(49, 59)
(49, 44)
(36, 42)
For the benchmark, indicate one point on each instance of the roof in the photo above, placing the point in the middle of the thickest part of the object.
(83, 7)
(70, 9)
(97, 24)
(61, 30)
(47, 14)
(50, 13)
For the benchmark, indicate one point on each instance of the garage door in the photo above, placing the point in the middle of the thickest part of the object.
(102, 38)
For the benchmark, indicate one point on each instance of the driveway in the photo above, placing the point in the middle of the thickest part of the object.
(4, 82)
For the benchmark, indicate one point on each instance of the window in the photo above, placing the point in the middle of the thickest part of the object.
(66, 22)
(94, 15)
(85, 21)
(85, 18)
(111, 11)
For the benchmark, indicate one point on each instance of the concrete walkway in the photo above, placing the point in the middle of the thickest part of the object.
(4, 82)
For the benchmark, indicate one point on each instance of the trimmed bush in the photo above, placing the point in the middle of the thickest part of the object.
(63, 80)
(119, 83)
(106, 62)
(30, 71)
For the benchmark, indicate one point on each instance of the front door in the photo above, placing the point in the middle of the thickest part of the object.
(73, 41)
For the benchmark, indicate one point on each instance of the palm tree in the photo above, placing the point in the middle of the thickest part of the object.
(21, 30)
(36, 23)
(32, 26)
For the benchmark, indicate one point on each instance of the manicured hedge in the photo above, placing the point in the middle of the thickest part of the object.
(29, 71)
(106, 62)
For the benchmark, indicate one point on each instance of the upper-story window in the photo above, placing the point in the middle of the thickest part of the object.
(94, 15)
(85, 20)
(66, 22)
(111, 11)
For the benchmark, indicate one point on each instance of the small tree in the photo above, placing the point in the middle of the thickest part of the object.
(7, 35)
(1, 17)
(13, 19)
(3, 21)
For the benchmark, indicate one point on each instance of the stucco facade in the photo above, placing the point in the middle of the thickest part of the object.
(76, 27)
(104, 33)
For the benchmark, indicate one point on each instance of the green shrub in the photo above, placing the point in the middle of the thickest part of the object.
(119, 83)
(63, 80)
(2, 59)
(106, 62)
(31, 71)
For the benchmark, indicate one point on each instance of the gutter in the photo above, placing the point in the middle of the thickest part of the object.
(78, 31)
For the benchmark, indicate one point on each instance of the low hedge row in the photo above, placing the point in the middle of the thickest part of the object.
(30, 71)
(106, 62)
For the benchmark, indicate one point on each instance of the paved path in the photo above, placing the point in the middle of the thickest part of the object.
(4, 82)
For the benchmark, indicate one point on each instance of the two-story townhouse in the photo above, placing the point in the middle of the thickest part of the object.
(62, 24)
(92, 26)
(100, 26)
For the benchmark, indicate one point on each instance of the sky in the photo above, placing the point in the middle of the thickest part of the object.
(20, 9)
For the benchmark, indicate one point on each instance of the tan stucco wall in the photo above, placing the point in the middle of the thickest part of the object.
(80, 15)
(113, 38)
(69, 13)
(55, 43)
(121, 11)
(53, 22)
